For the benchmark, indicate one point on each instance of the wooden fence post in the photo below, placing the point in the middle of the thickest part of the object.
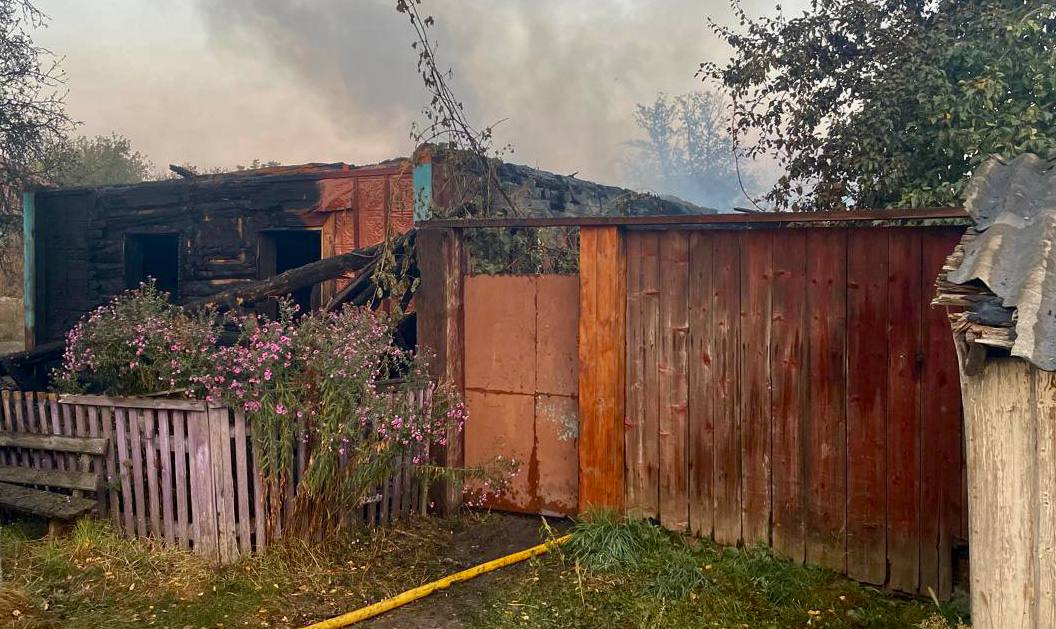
(441, 260)
(602, 353)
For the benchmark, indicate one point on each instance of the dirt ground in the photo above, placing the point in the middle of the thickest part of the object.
(498, 536)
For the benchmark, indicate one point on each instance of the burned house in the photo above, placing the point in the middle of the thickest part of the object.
(198, 236)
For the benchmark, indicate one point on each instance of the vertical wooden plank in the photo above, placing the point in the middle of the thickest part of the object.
(905, 352)
(827, 462)
(941, 429)
(32, 426)
(397, 487)
(702, 383)
(40, 411)
(588, 377)
(202, 488)
(80, 421)
(1045, 387)
(182, 529)
(135, 437)
(242, 485)
(674, 402)
(867, 347)
(649, 497)
(260, 517)
(223, 481)
(97, 464)
(164, 439)
(69, 428)
(111, 474)
(37, 425)
(386, 495)
(725, 341)
(56, 427)
(790, 375)
(21, 456)
(442, 261)
(121, 418)
(7, 455)
(150, 462)
(754, 381)
(634, 454)
(603, 302)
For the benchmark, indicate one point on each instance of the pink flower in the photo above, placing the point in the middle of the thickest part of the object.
(280, 409)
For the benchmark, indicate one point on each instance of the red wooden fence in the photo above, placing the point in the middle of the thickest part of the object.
(793, 387)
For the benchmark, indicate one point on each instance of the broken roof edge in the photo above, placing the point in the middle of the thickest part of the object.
(312, 171)
(1003, 272)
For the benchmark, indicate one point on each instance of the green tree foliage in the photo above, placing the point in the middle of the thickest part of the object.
(875, 103)
(99, 161)
(32, 115)
(688, 151)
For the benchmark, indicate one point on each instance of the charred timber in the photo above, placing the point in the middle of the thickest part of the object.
(313, 273)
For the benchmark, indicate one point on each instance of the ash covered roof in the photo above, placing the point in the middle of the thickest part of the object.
(536, 193)
(1004, 271)
(542, 193)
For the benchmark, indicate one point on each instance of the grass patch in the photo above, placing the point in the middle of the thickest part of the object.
(94, 577)
(613, 573)
(619, 573)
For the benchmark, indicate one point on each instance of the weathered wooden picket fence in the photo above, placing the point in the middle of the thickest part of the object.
(183, 471)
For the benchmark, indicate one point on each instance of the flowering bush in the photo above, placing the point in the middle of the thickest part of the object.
(324, 381)
(138, 343)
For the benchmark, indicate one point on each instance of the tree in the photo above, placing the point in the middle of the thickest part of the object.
(875, 103)
(32, 113)
(99, 161)
(688, 151)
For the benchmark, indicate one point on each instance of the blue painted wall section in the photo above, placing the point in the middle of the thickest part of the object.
(29, 274)
(423, 191)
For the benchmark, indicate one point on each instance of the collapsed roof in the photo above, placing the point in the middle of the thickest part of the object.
(535, 193)
(1004, 270)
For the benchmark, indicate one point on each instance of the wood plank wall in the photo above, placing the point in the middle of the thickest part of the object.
(786, 386)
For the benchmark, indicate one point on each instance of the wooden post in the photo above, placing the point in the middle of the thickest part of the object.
(602, 354)
(440, 331)
(1010, 429)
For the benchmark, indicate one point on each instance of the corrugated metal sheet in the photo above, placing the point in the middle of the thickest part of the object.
(1013, 205)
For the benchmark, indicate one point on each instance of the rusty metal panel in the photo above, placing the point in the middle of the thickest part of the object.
(502, 424)
(500, 333)
(557, 317)
(521, 386)
(556, 455)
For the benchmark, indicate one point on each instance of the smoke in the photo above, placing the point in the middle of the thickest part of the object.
(563, 75)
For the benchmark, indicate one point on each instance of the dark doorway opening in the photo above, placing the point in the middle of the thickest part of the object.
(154, 256)
(283, 250)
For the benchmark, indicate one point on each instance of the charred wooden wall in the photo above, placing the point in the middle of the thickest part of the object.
(82, 232)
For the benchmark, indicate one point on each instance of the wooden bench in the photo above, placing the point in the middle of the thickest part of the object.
(19, 483)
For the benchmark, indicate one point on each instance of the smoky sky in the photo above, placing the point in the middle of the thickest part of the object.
(223, 82)
(564, 76)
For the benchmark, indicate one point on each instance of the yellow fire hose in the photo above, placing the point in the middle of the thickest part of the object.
(425, 590)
